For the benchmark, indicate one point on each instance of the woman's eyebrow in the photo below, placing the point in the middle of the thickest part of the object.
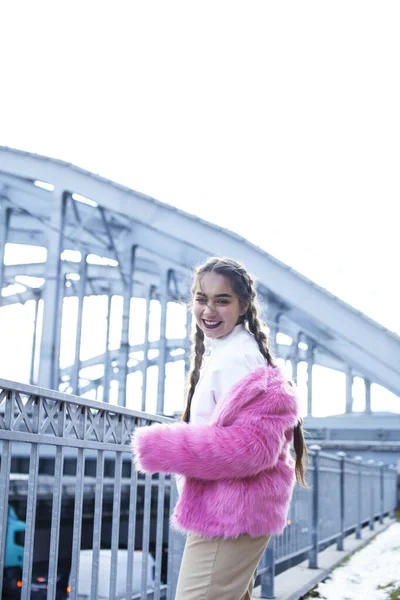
(216, 295)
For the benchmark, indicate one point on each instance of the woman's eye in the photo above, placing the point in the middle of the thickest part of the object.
(200, 300)
(223, 302)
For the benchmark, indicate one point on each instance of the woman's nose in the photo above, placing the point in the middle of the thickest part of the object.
(209, 309)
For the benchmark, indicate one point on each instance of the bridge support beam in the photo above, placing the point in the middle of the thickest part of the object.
(127, 271)
(53, 296)
(78, 339)
(310, 364)
(349, 390)
(274, 312)
(294, 358)
(5, 213)
(162, 350)
(367, 384)
(188, 338)
(145, 363)
(107, 365)
(34, 339)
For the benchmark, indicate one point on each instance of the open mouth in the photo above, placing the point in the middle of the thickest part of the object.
(211, 324)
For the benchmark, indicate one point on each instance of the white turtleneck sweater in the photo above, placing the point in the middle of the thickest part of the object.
(229, 359)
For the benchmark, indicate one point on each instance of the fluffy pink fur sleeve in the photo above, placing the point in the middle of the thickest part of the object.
(210, 451)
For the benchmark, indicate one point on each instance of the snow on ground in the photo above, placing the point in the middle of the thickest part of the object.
(366, 573)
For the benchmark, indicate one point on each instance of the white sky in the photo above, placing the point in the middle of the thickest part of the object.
(230, 111)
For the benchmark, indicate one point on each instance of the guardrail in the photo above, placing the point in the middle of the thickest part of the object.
(345, 494)
(134, 510)
(63, 425)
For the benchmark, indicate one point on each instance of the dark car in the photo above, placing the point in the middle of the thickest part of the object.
(39, 587)
(12, 585)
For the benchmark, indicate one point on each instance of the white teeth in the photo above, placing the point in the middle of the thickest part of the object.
(210, 322)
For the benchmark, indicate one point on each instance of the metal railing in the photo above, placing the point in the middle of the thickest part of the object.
(92, 498)
(345, 494)
(39, 424)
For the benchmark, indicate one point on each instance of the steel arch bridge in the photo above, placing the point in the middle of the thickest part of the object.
(148, 251)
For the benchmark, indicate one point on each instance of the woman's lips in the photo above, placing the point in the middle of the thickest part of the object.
(211, 324)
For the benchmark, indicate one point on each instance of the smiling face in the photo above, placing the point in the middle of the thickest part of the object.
(216, 307)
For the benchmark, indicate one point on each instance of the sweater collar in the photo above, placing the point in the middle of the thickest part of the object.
(218, 343)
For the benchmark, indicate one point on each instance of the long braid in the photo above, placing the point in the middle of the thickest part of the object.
(196, 360)
(255, 326)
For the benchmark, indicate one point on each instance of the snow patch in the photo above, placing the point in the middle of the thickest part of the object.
(368, 571)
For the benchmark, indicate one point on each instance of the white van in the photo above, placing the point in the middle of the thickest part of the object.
(85, 574)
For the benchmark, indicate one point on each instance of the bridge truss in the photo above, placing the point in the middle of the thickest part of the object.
(103, 239)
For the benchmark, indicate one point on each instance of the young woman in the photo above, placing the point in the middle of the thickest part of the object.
(232, 449)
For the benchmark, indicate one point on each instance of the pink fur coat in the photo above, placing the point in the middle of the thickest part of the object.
(239, 473)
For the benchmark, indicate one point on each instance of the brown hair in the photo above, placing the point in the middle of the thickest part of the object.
(244, 288)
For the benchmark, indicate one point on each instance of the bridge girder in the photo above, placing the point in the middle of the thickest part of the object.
(167, 239)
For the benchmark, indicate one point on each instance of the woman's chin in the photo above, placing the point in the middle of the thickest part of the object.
(213, 333)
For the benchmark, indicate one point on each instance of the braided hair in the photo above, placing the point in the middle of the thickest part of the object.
(244, 287)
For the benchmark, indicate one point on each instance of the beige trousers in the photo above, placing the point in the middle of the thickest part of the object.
(219, 569)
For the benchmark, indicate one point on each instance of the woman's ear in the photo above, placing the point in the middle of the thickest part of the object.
(244, 308)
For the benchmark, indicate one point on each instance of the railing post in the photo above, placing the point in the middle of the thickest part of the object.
(359, 498)
(342, 456)
(313, 564)
(371, 493)
(393, 506)
(381, 486)
(268, 577)
(176, 545)
(5, 470)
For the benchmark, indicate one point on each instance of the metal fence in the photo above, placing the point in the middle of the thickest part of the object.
(47, 426)
(345, 494)
(66, 469)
